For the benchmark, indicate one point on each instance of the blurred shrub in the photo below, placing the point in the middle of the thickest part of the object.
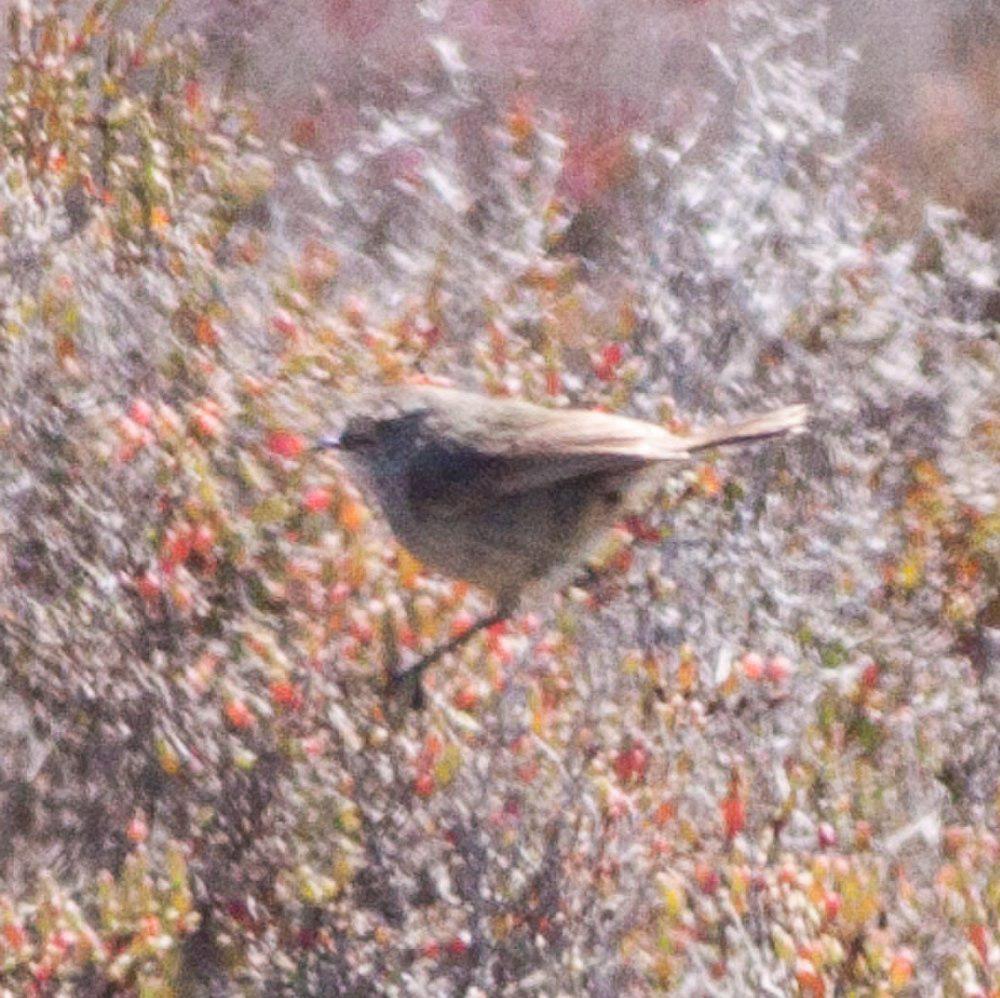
(759, 756)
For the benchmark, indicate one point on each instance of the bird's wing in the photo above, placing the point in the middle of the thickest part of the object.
(569, 444)
(528, 448)
(518, 447)
(556, 445)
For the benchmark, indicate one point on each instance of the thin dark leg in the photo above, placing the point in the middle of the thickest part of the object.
(410, 679)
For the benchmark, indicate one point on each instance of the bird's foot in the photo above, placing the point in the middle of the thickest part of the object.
(407, 687)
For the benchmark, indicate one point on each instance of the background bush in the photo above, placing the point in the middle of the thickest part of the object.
(759, 755)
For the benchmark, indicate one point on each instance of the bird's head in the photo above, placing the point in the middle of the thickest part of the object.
(379, 430)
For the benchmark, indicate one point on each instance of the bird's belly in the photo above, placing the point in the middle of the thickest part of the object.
(519, 539)
(473, 549)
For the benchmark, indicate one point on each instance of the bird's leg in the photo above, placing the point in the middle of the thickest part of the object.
(410, 679)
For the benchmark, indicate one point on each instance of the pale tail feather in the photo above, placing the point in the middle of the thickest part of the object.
(772, 424)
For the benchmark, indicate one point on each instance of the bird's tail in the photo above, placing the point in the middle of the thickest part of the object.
(773, 424)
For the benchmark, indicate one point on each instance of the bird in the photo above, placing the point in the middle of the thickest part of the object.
(507, 494)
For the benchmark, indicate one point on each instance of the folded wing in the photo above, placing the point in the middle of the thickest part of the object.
(529, 447)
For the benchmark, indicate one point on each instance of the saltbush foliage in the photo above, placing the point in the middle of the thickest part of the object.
(757, 753)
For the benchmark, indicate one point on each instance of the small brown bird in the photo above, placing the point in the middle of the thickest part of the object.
(506, 494)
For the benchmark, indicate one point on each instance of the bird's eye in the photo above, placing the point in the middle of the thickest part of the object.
(365, 432)
(358, 435)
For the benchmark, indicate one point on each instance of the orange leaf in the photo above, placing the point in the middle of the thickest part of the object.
(733, 808)
(239, 715)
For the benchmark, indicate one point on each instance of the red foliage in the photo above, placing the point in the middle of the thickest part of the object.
(285, 444)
